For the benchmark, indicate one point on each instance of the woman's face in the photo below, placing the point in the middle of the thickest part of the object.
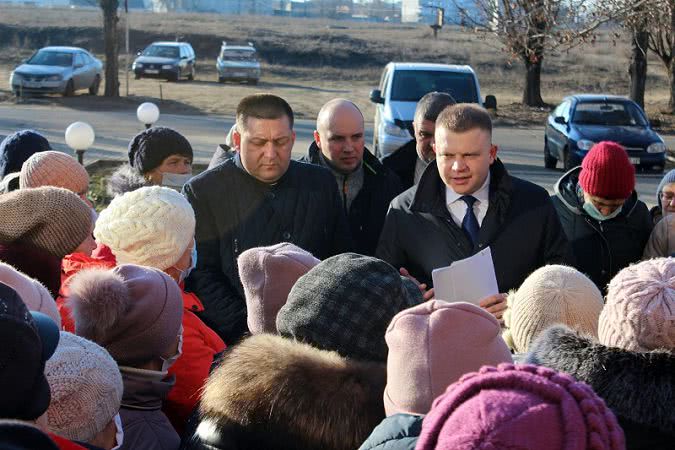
(178, 164)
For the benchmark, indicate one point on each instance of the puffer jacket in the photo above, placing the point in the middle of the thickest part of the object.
(269, 392)
(601, 249)
(397, 432)
(638, 387)
(235, 212)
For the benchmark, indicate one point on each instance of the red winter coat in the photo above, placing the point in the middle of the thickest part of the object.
(102, 257)
(200, 345)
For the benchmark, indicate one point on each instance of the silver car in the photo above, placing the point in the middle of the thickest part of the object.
(238, 63)
(57, 70)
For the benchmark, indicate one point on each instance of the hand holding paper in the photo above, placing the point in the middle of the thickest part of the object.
(468, 280)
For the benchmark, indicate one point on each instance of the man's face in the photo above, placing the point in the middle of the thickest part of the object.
(424, 137)
(265, 146)
(668, 199)
(341, 139)
(604, 205)
(464, 159)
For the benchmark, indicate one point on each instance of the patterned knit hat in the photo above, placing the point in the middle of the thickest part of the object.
(86, 388)
(54, 169)
(524, 407)
(52, 219)
(431, 346)
(18, 147)
(345, 304)
(268, 274)
(133, 312)
(667, 179)
(32, 292)
(606, 172)
(640, 311)
(150, 147)
(551, 295)
(151, 226)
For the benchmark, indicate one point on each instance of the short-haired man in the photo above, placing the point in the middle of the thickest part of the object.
(259, 197)
(366, 186)
(466, 201)
(410, 160)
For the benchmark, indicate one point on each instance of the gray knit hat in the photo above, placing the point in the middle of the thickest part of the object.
(51, 219)
(667, 179)
(150, 147)
(345, 304)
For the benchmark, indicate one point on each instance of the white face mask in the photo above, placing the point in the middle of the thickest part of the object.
(175, 180)
(119, 436)
(168, 362)
(595, 213)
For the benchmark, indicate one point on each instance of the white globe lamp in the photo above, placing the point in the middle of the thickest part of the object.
(148, 114)
(80, 136)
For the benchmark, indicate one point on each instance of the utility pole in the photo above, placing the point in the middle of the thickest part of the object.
(126, 33)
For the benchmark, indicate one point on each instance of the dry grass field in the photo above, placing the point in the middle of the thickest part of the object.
(309, 61)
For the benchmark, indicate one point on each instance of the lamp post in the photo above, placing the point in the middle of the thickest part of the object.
(148, 114)
(80, 136)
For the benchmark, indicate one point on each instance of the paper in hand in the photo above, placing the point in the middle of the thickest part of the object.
(467, 280)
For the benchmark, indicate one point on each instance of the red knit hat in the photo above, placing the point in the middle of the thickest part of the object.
(607, 172)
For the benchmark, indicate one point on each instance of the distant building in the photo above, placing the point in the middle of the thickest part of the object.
(424, 11)
(247, 7)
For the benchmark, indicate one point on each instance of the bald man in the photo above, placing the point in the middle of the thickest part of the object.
(366, 186)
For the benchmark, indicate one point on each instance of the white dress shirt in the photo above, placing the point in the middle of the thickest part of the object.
(457, 206)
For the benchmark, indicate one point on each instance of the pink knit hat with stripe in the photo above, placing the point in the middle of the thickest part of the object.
(521, 407)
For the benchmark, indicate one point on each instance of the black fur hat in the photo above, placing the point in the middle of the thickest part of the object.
(150, 147)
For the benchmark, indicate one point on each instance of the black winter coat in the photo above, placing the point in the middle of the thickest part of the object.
(638, 387)
(235, 212)
(601, 249)
(521, 228)
(397, 432)
(402, 162)
(369, 208)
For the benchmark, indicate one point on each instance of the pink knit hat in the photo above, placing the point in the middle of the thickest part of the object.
(431, 346)
(607, 172)
(524, 407)
(639, 314)
(53, 168)
(32, 292)
(268, 274)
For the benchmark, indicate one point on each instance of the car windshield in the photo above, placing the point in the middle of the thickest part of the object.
(238, 55)
(51, 58)
(161, 51)
(608, 114)
(411, 85)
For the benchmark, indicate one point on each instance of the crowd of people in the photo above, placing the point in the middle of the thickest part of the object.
(273, 303)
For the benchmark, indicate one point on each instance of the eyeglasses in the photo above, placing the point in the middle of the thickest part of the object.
(667, 196)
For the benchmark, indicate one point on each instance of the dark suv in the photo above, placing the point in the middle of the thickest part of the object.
(169, 60)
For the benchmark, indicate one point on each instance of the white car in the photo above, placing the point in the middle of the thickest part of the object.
(402, 85)
(238, 63)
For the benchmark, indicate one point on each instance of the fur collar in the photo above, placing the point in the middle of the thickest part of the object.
(272, 392)
(638, 387)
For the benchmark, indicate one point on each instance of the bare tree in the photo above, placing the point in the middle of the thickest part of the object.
(111, 45)
(661, 23)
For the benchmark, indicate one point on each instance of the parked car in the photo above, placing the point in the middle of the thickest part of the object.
(60, 70)
(582, 120)
(168, 60)
(402, 85)
(238, 63)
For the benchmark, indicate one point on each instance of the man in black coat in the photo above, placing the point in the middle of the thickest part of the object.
(605, 223)
(365, 185)
(410, 160)
(259, 197)
(466, 201)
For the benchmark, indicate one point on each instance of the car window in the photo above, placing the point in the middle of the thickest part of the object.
(411, 85)
(162, 51)
(51, 58)
(565, 112)
(384, 74)
(79, 60)
(237, 55)
(558, 112)
(385, 86)
(608, 114)
(87, 58)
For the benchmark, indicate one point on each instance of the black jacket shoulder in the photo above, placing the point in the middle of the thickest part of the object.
(402, 162)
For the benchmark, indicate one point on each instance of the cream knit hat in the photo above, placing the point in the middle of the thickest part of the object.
(86, 388)
(550, 295)
(54, 169)
(151, 226)
(32, 292)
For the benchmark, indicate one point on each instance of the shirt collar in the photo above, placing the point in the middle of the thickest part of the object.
(482, 194)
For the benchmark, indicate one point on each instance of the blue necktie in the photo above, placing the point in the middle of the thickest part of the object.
(470, 222)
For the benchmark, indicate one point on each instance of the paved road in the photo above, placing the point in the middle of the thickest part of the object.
(520, 148)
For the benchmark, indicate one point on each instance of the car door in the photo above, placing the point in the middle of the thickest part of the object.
(556, 132)
(90, 71)
(78, 71)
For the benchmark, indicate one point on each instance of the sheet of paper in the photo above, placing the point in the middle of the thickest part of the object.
(467, 280)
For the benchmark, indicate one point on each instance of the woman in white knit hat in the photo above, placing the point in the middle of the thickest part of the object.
(154, 227)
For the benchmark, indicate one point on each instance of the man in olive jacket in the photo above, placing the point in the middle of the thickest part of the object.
(466, 201)
(259, 197)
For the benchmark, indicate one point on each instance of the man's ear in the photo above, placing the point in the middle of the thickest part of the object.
(493, 153)
(236, 139)
(317, 138)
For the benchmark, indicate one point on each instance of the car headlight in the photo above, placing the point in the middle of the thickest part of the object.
(54, 78)
(138, 65)
(585, 144)
(392, 129)
(657, 147)
(167, 66)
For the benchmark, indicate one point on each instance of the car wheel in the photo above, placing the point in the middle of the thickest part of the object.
(137, 76)
(549, 161)
(221, 79)
(252, 81)
(93, 89)
(173, 77)
(569, 161)
(70, 89)
(191, 77)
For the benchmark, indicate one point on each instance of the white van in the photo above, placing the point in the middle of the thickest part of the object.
(401, 87)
